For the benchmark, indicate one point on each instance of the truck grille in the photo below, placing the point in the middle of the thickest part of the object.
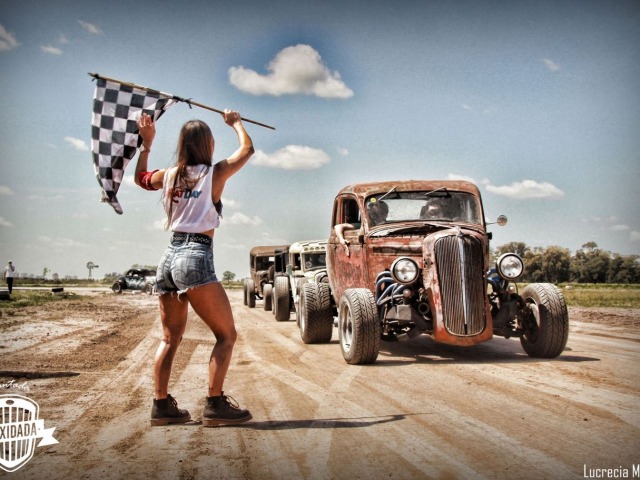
(460, 268)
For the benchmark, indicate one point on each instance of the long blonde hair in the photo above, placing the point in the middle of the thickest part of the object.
(195, 147)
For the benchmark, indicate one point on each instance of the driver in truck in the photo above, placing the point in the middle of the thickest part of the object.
(377, 212)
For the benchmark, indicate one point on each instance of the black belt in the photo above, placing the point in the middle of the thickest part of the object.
(180, 237)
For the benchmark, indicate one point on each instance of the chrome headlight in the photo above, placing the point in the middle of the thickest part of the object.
(510, 266)
(404, 270)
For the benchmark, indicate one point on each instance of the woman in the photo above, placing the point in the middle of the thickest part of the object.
(191, 193)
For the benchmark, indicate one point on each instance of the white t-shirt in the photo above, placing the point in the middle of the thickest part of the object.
(8, 271)
(192, 210)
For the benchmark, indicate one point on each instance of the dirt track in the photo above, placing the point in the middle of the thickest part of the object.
(424, 410)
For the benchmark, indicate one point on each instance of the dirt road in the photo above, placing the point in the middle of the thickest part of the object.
(424, 410)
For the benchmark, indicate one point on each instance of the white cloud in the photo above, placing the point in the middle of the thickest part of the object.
(635, 236)
(77, 143)
(90, 27)
(292, 157)
(60, 242)
(227, 202)
(7, 40)
(551, 65)
(5, 223)
(62, 39)
(4, 190)
(342, 151)
(128, 180)
(159, 224)
(453, 176)
(242, 219)
(620, 228)
(295, 70)
(527, 189)
(51, 50)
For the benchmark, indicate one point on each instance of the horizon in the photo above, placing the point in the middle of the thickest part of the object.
(536, 103)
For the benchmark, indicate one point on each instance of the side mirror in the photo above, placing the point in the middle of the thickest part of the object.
(289, 269)
(501, 221)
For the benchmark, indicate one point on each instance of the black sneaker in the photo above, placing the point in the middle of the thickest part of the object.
(223, 410)
(166, 411)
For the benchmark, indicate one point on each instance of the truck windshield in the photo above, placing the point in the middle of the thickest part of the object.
(263, 263)
(443, 206)
(314, 260)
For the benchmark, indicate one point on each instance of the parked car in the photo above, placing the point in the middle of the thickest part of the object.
(262, 260)
(416, 260)
(136, 279)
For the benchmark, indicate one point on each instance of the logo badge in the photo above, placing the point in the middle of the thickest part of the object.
(19, 429)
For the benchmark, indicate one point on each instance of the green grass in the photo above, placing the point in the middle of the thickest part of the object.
(30, 298)
(593, 295)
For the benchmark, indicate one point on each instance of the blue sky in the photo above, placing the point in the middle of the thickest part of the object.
(537, 102)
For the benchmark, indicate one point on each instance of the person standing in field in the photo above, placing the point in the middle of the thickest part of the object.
(191, 195)
(9, 274)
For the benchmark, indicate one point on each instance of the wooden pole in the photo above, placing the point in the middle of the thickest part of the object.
(180, 99)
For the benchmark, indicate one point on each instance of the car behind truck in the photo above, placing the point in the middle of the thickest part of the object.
(413, 258)
(304, 261)
(262, 261)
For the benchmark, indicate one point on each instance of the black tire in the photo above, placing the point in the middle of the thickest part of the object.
(296, 301)
(358, 327)
(546, 321)
(251, 293)
(316, 317)
(148, 288)
(281, 298)
(267, 291)
(244, 291)
(117, 288)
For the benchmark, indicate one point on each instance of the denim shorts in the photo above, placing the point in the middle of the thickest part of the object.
(185, 265)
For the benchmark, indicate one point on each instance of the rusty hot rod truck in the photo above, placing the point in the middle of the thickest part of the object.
(412, 257)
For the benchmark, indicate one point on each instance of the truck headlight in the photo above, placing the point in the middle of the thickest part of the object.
(510, 266)
(404, 270)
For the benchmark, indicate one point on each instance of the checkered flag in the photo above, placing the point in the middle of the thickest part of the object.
(114, 132)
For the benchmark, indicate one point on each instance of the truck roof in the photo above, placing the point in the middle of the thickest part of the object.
(308, 246)
(367, 189)
(262, 250)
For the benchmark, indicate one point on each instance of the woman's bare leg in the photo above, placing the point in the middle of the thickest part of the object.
(173, 314)
(211, 304)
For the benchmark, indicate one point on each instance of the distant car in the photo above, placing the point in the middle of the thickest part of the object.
(136, 279)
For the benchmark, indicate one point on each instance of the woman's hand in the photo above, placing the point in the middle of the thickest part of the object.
(147, 130)
(231, 117)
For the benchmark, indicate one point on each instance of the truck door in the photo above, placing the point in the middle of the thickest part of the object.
(346, 270)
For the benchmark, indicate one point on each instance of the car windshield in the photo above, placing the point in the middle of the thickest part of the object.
(440, 205)
(263, 263)
(312, 261)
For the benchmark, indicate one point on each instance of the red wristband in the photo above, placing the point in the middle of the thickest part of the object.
(145, 180)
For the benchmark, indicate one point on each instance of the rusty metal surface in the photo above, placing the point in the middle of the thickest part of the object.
(262, 250)
(367, 189)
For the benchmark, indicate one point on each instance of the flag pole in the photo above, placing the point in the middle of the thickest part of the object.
(180, 99)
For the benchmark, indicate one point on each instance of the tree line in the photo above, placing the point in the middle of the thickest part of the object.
(589, 264)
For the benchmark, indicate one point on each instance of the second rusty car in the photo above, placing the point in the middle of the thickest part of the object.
(414, 259)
